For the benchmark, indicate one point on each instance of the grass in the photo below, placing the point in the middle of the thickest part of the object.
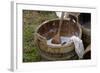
(31, 20)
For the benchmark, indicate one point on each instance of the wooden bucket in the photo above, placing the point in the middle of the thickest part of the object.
(47, 30)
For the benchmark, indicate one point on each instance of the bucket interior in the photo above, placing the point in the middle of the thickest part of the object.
(50, 28)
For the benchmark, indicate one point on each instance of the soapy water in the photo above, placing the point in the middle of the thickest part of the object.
(79, 48)
(64, 41)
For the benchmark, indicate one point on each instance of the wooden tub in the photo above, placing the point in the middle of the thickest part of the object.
(47, 30)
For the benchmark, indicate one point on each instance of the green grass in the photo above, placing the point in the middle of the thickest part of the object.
(31, 20)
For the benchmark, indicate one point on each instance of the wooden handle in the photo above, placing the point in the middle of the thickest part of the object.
(61, 21)
(87, 49)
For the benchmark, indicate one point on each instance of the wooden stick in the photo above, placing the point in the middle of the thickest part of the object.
(60, 23)
(56, 39)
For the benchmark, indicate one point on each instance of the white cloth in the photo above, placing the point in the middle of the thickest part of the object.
(79, 48)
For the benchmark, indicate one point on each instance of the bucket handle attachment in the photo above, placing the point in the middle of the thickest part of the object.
(73, 18)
